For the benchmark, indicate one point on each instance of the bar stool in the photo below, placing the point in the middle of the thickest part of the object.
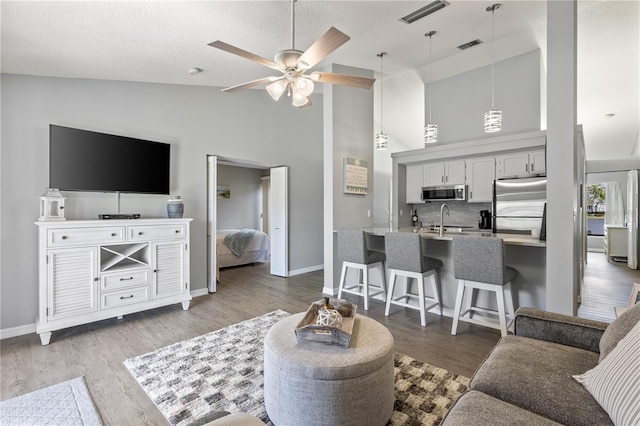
(405, 258)
(478, 263)
(352, 248)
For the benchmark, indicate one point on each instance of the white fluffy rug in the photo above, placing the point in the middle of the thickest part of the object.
(223, 371)
(67, 403)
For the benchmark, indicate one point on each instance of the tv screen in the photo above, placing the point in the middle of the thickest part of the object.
(80, 160)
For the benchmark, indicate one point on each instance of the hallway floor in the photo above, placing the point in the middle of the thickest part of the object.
(606, 284)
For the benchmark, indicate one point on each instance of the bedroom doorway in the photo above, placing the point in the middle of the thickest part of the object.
(264, 210)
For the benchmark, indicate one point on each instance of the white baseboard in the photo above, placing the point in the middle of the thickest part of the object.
(305, 270)
(17, 331)
(330, 291)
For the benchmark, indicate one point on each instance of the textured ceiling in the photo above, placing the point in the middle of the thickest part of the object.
(158, 41)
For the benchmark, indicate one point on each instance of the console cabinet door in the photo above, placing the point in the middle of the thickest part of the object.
(72, 281)
(482, 173)
(414, 184)
(169, 269)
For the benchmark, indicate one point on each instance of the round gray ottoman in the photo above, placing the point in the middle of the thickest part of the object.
(329, 385)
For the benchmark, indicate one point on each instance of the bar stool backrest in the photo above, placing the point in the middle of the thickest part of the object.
(403, 251)
(479, 259)
(352, 245)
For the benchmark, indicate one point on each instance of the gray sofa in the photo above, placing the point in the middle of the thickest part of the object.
(528, 376)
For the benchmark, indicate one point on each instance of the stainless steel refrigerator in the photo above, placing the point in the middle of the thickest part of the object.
(519, 206)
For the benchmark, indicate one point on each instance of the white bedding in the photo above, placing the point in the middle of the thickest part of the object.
(256, 251)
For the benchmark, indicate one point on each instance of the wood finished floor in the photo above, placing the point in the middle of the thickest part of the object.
(97, 350)
(606, 284)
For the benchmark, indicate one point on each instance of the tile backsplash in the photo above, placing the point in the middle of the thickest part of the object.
(460, 213)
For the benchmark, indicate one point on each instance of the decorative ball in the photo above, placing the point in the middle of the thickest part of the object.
(329, 317)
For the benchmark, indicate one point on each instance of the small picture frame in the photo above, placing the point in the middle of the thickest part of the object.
(635, 295)
(223, 192)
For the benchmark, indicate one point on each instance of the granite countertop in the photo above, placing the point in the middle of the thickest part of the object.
(509, 239)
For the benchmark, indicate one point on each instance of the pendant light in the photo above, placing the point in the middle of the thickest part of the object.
(431, 129)
(493, 117)
(382, 141)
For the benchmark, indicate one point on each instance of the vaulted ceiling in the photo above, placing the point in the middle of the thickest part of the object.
(159, 41)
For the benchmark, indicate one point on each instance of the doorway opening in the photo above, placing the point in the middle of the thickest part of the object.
(246, 216)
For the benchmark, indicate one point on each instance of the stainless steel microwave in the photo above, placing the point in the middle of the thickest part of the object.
(444, 193)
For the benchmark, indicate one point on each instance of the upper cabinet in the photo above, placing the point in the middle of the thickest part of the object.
(480, 176)
(414, 184)
(520, 164)
(444, 173)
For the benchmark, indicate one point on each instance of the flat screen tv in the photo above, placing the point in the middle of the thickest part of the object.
(80, 160)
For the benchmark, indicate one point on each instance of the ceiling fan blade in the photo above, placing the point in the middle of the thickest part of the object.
(326, 44)
(244, 54)
(344, 79)
(248, 84)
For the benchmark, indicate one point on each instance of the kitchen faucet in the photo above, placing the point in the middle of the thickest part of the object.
(442, 217)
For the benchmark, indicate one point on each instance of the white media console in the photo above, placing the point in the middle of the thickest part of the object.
(91, 270)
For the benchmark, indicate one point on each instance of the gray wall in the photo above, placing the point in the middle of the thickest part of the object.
(244, 208)
(459, 102)
(196, 120)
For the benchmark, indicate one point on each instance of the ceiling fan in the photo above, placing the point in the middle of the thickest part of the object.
(294, 63)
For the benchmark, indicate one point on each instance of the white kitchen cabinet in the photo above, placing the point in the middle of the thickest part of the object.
(414, 184)
(520, 164)
(480, 176)
(444, 173)
(93, 270)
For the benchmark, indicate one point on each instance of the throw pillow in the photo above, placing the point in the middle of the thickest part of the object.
(618, 329)
(614, 382)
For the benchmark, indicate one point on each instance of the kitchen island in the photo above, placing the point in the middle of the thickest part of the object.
(525, 253)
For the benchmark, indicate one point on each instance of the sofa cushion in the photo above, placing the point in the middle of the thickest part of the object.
(618, 329)
(537, 376)
(615, 382)
(478, 409)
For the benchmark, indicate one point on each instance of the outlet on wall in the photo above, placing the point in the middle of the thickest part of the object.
(368, 213)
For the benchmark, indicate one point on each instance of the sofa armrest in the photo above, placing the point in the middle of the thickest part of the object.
(558, 328)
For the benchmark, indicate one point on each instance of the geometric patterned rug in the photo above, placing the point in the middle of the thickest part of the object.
(67, 403)
(223, 371)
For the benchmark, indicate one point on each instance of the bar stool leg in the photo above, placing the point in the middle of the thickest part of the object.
(468, 301)
(509, 301)
(423, 316)
(343, 276)
(456, 313)
(392, 283)
(365, 284)
(501, 313)
(435, 285)
(383, 277)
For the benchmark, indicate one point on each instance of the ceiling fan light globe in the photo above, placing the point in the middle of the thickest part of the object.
(297, 98)
(304, 85)
(276, 89)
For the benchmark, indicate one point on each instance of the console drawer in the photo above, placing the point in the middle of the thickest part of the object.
(123, 279)
(156, 232)
(81, 236)
(125, 297)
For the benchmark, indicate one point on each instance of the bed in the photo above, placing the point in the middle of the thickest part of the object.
(257, 250)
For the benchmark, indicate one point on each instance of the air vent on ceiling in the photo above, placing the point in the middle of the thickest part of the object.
(470, 44)
(427, 10)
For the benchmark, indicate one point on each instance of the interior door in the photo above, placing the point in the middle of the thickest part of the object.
(278, 221)
(212, 183)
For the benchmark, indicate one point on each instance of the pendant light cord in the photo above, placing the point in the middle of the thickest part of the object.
(430, 35)
(381, 54)
(493, 12)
